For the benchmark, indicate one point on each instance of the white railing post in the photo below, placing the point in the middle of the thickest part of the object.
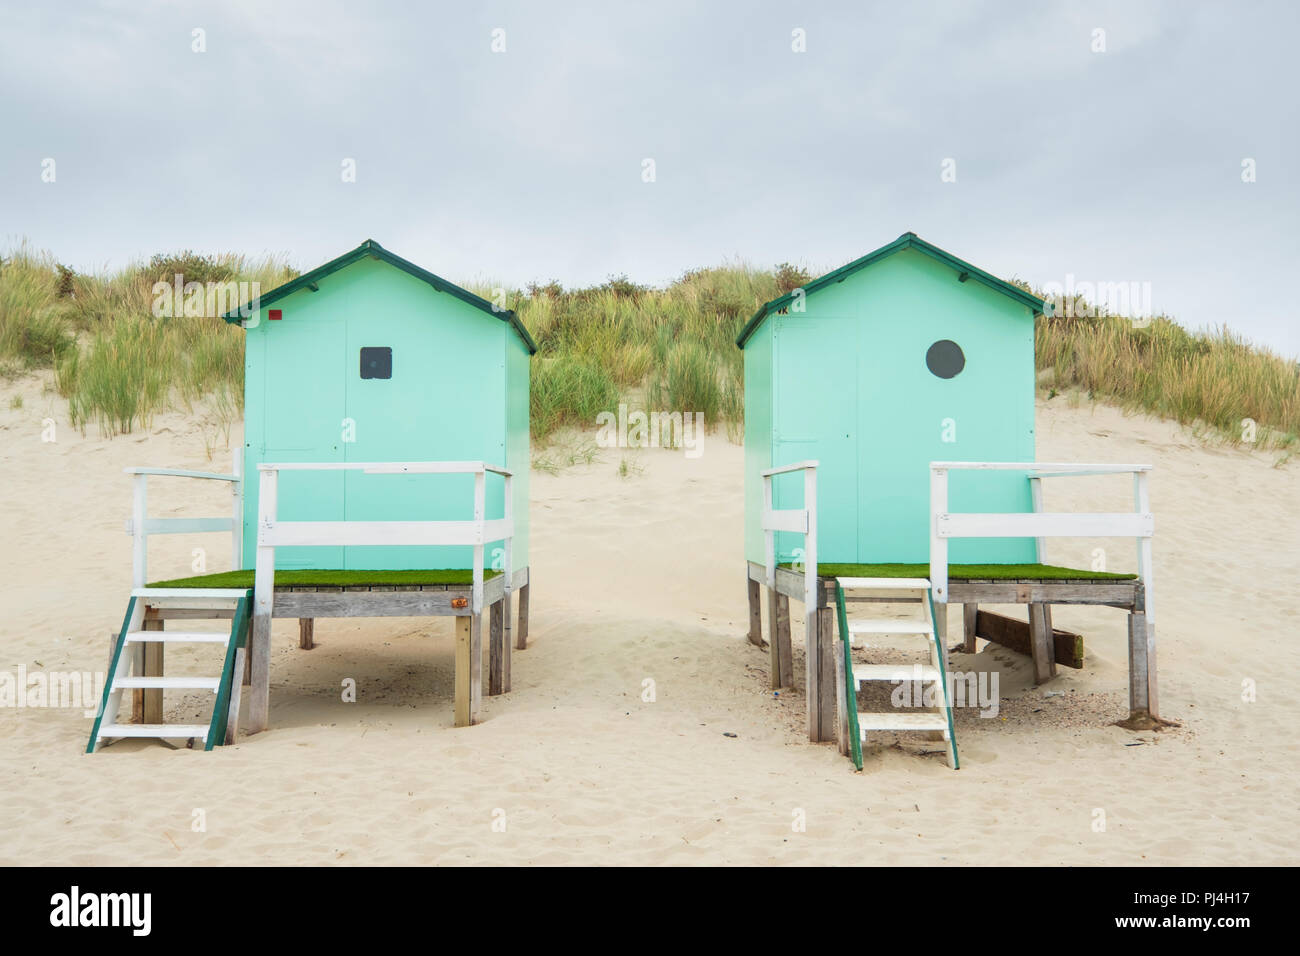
(938, 543)
(1036, 498)
(769, 534)
(264, 566)
(139, 534)
(237, 512)
(810, 541)
(509, 515)
(480, 509)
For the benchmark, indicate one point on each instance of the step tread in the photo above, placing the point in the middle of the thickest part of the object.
(885, 584)
(886, 626)
(201, 593)
(164, 731)
(164, 683)
(894, 672)
(870, 720)
(176, 637)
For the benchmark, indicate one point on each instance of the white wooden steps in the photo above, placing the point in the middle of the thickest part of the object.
(913, 592)
(128, 663)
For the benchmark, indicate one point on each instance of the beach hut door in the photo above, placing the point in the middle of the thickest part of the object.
(816, 400)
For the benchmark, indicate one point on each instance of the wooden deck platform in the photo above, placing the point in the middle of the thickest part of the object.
(1038, 594)
(308, 602)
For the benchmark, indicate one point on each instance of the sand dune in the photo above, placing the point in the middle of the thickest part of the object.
(641, 578)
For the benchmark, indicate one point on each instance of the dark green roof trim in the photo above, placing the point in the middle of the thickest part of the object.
(908, 240)
(373, 249)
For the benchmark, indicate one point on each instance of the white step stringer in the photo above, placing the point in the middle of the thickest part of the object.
(912, 592)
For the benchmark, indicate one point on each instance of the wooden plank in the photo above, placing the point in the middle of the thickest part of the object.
(508, 638)
(1110, 593)
(842, 703)
(497, 650)
(1058, 469)
(755, 612)
(248, 657)
(281, 534)
(792, 520)
(463, 704)
(264, 600)
(521, 632)
(1040, 643)
(147, 705)
(306, 633)
(373, 604)
(1048, 524)
(1140, 669)
(968, 612)
(187, 614)
(941, 623)
(236, 692)
(820, 674)
(1014, 635)
(475, 666)
(469, 669)
(791, 583)
(780, 649)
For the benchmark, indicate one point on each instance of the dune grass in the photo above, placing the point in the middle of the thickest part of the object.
(668, 349)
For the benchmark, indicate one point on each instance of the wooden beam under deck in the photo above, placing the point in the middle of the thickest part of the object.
(1037, 594)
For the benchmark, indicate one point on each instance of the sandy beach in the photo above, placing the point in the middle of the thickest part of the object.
(640, 577)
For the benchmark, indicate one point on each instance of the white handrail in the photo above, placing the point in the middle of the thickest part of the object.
(273, 533)
(140, 525)
(798, 520)
(1138, 524)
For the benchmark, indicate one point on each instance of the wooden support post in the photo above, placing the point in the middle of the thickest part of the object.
(941, 623)
(820, 673)
(842, 701)
(755, 613)
(306, 633)
(521, 635)
(498, 650)
(780, 652)
(1041, 646)
(507, 607)
(1142, 701)
(259, 643)
(259, 677)
(236, 690)
(969, 616)
(469, 664)
(147, 705)
(248, 657)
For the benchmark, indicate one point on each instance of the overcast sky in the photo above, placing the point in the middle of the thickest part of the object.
(1116, 165)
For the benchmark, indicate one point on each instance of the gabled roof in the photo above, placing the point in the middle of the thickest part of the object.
(375, 251)
(908, 240)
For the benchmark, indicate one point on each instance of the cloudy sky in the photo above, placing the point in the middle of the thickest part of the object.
(1103, 141)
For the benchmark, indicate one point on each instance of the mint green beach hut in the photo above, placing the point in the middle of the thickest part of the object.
(889, 448)
(370, 358)
(905, 356)
(384, 472)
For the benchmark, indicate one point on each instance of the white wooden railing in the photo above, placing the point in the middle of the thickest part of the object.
(273, 532)
(140, 525)
(799, 520)
(1139, 523)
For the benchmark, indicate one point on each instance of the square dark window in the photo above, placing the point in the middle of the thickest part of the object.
(376, 362)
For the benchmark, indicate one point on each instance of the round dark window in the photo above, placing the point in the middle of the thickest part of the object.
(945, 358)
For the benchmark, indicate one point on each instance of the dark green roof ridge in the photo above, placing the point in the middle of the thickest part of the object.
(375, 250)
(908, 240)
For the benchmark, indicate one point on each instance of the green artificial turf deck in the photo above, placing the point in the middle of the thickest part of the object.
(328, 578)
(969, 572)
